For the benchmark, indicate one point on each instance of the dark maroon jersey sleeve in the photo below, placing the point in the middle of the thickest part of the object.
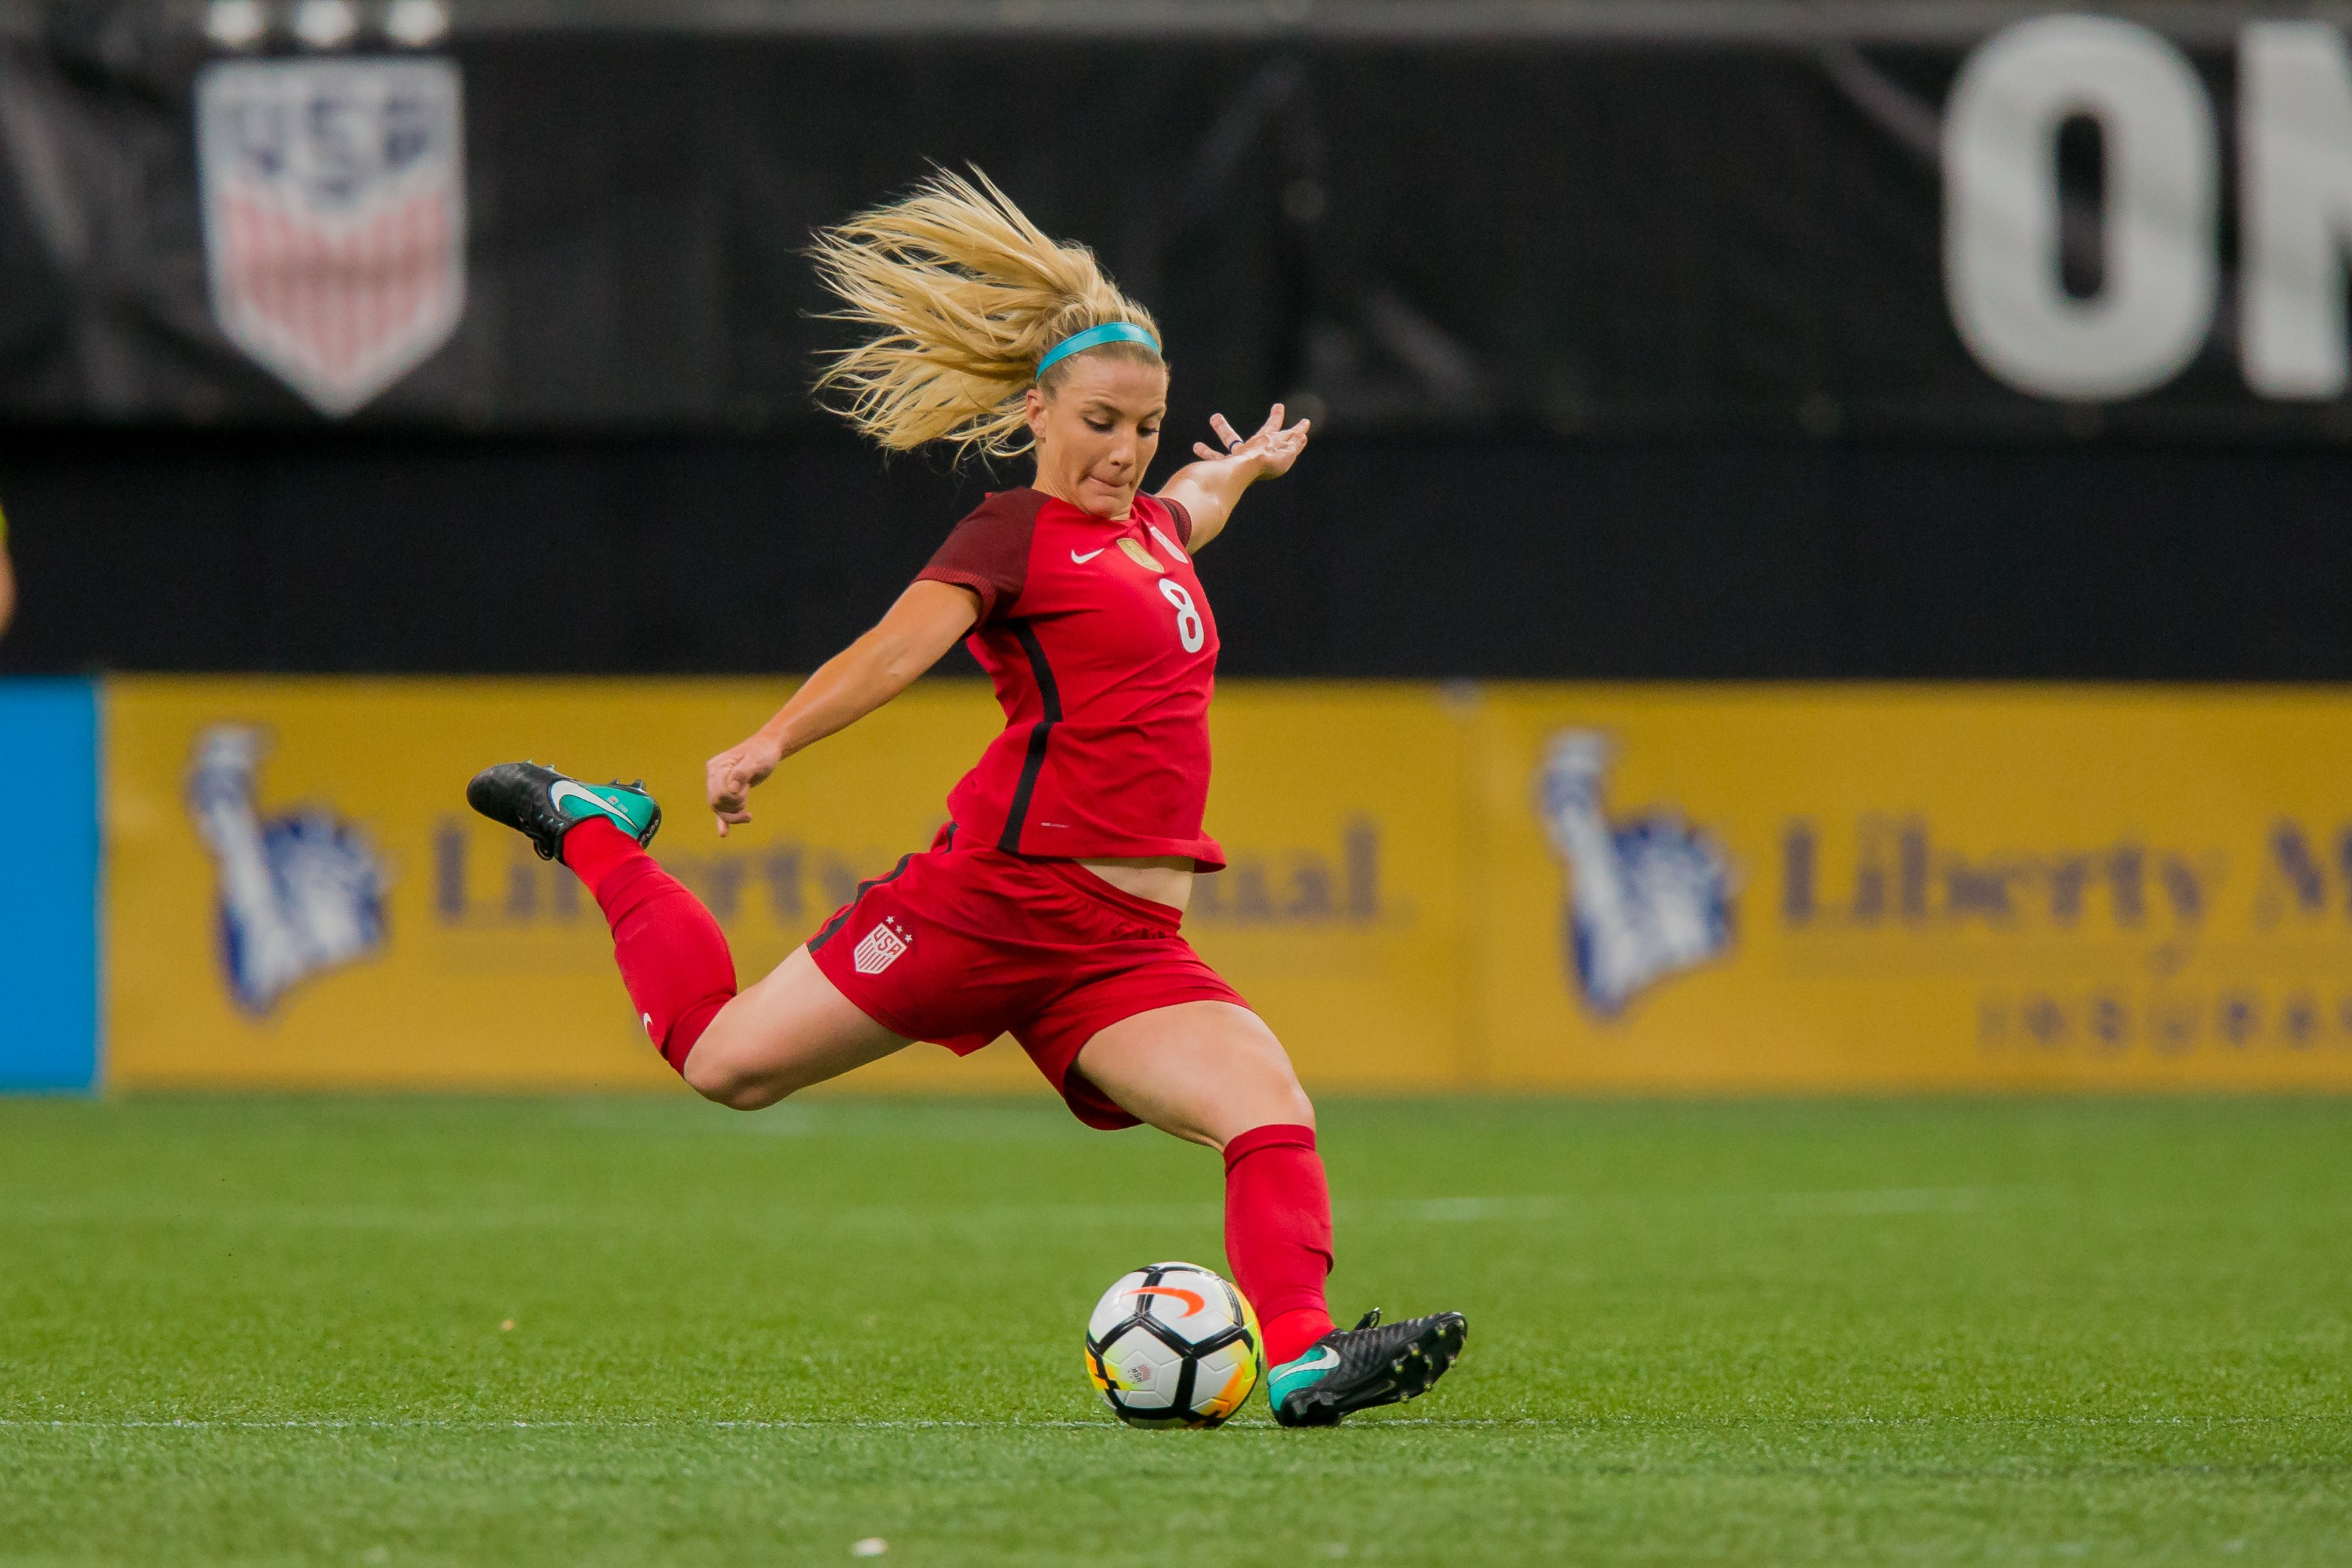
(989, 552)
(1183, 519)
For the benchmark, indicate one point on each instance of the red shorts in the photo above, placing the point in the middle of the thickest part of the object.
(964, 943)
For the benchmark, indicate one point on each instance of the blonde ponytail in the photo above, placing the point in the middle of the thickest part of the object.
(969, 294)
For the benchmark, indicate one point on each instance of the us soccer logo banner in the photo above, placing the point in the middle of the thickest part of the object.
(334, 199)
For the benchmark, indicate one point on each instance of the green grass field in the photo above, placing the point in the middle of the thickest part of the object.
(275, 1330)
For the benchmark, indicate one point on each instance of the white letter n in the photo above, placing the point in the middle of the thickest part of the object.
(2294, 135)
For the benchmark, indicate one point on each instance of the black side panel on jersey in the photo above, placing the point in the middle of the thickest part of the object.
(1050, 696)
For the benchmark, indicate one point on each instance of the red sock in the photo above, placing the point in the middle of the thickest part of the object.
(1279, 1233)
(672, 956)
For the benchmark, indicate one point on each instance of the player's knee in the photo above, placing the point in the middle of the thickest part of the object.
(1289, 1096)
(712, 1075)
(1278, 1100)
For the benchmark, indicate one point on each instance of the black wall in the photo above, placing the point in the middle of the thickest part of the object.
(1629, 358)
(1410, 557)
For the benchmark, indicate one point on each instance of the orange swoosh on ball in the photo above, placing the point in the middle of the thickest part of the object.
(1191, 1299)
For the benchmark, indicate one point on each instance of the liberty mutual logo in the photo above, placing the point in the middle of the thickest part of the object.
(299, 891)
(1647, 898)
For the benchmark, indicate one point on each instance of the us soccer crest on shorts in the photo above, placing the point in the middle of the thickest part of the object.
(880, 947)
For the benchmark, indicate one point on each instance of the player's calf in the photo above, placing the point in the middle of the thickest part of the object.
(672, 955)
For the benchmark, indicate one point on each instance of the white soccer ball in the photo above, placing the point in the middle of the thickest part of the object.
(1174, 1345)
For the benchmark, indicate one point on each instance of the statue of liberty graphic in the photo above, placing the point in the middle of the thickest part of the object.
(300, 893)
(1647, 898)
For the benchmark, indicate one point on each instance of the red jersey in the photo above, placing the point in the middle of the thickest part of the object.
(1103, 654)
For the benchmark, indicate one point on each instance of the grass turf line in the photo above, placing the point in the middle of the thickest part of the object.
(269, 1330)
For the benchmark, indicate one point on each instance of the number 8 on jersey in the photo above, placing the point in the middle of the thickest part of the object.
(1189, 629)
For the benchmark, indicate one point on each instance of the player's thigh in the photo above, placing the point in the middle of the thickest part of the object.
(1204, 1070)
(785, 1032)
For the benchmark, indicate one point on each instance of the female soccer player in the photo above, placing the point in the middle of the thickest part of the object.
(1048, 906)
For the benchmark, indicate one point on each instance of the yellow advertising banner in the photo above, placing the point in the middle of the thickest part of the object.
(297, 894)
(1914, 888)
(1684, 888)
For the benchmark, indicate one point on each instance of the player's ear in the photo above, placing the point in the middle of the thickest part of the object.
(1033, 408)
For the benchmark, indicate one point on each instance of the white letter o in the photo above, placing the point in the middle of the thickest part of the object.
(2000, 208)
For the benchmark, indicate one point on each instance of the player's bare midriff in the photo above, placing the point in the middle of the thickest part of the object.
(1162, 879)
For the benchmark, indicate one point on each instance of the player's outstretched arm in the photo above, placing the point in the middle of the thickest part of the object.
(929, 619)
(1210, 489)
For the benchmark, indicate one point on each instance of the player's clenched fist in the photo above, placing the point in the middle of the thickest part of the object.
(730, 777)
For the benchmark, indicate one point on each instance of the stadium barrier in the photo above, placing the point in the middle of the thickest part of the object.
(1572, 887)
(48, 885)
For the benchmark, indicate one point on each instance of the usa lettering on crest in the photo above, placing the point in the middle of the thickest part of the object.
(335, 206)
(880, 948)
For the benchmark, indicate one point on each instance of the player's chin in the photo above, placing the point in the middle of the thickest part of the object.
(1104, 500)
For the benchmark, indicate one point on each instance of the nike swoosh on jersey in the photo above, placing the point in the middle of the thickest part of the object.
(1090, 555)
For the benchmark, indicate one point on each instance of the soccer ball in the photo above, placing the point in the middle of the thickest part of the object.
(1174, 1345)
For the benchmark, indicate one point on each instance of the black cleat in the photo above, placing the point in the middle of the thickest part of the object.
(543, 805)
(1355, 1369)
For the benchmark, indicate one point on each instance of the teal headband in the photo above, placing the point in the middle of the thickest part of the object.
(1095, 338)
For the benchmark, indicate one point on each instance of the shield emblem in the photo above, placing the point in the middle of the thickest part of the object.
(334, 195)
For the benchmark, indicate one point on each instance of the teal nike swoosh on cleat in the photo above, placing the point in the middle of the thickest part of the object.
(1364, 1366)
(543, 805)
(1293, 1375)
(631, 811)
